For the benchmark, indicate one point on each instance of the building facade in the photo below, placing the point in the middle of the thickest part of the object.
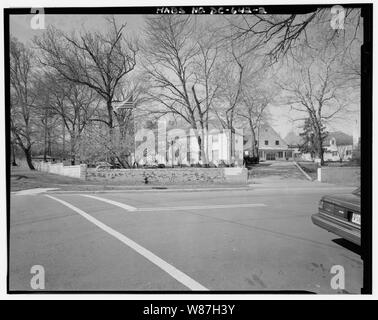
(269, 143)
(169, 145)
(338, 146)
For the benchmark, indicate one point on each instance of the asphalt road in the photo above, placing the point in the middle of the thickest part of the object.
(209, 240)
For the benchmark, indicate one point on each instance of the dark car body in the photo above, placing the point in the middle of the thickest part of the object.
(341, 215)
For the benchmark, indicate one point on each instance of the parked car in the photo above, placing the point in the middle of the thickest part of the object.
(250, 161)
(341, 215)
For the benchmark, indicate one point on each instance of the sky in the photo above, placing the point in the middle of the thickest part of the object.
(20, 25)
(281, 115)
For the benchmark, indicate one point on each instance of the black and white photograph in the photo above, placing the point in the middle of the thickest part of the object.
(189, 149)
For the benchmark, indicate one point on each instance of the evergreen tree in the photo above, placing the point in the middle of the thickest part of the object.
(310, 141)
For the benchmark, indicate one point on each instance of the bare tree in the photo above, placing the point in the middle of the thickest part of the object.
(278, 34)
(98, 61)
(74, 104)
(254, 111)
(22, 97)
(314, 89)
(133, 89)
(238, 72)
(181, 68)
(207, 84)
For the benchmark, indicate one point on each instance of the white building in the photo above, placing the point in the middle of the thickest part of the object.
(169, 145)
(338, 146)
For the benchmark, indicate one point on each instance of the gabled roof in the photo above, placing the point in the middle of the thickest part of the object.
(267, 128)
(265, 132)
(293, 139)
(342, 138)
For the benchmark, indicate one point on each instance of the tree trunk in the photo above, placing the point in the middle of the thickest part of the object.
(13, 155)
(45, 145)
(200, 153)
(110, 127)
(49, 142)
(64, 140)
(321, 154)
(319, 151)
(202, 140)
(231, 148)
(28, 157)
(73, 143)
(253, 141)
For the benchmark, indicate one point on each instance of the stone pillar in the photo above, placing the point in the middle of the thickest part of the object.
(83, 172)
(320, 174)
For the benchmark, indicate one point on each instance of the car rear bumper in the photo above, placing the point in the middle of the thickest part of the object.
(341, 229)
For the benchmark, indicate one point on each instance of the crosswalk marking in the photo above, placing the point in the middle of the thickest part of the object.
(115, 203)
(204, 207)
(165, 266)
(177, 208)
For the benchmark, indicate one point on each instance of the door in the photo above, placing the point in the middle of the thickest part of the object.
(270, 156)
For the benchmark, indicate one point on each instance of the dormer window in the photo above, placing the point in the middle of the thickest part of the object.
(277, 143)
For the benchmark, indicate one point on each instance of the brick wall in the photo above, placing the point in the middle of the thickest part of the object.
(170, 176)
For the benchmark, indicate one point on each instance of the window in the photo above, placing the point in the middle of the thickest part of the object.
(280, 154)
(348, 152)
(277, 142)
(334, 153)
(266, 142)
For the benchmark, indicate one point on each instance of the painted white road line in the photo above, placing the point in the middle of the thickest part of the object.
(115, 203)
(165, 266)
(204, 207)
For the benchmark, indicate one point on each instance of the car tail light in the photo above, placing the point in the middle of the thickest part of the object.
(329, 207)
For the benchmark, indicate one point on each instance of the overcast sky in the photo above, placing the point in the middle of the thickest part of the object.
(20, 27)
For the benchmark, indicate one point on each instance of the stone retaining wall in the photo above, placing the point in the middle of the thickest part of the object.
(170, 176)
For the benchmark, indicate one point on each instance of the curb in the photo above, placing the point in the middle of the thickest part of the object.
(301, 170)
(250, 187)
(153, 190)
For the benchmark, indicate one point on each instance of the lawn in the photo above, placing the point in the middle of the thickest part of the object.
(310, 168)
(21, 179)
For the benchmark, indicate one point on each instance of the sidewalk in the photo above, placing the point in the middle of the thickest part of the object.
(278, 183)
(255, 187)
